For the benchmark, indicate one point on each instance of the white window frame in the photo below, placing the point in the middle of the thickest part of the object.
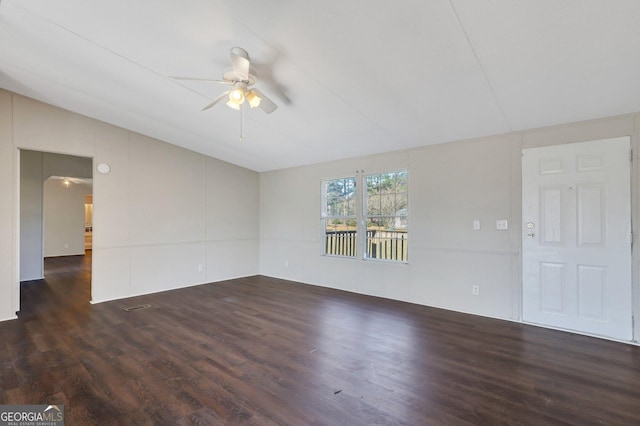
(325, 217)
(365, 216)
(361, 216)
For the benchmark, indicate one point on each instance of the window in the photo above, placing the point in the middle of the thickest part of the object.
(371, 224)
(386, 216)
(340, 217)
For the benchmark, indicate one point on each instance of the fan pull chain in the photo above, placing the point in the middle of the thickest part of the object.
(242, 122)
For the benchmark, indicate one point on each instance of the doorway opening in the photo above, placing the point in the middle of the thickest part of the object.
(56, 227)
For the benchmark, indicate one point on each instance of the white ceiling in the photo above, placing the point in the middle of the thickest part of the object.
(351, 78)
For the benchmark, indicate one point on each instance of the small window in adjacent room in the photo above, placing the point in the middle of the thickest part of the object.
(386, 216)
(340, 217)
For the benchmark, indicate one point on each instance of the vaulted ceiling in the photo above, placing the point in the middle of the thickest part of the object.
(350, 78)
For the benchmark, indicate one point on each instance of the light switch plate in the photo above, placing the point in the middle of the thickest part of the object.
(502, 224)
(476, 225)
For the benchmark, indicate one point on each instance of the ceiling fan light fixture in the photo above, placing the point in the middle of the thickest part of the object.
(233, 105)
(236, 96)
(253, 99)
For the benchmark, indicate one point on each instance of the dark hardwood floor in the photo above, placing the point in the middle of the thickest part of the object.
(263, 351)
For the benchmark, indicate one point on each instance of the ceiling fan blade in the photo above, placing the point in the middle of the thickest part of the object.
(266, 104)
(276, 88)
(216, 100)
(240, 63)
(200, 79)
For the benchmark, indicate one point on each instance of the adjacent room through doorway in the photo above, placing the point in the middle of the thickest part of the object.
(56, 206)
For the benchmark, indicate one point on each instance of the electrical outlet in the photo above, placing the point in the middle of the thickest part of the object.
(475, 290)
(476, 225)
(200, 268)
(286, 263)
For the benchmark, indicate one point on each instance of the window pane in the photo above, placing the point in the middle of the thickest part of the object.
(373, 205)
(340, 197)
(340, 237)
(401, 204)
(340, 221)
(387, 239)
(388, 204)
(373, 184)
(387, 182)
(350, 199)
(387, 216)
(401, 182)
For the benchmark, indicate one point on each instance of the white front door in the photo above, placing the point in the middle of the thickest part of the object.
(576, 237)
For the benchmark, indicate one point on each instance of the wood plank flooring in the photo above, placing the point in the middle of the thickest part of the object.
(262, 351)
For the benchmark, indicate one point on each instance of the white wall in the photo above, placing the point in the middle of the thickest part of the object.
(450, 186)
(63, 209)
(9, 268)
(31, 215)
(159, 215)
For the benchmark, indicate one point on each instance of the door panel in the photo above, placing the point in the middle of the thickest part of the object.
(551, 211)
(552, 287)
(591, 285)
(591, 214)
(576, 239)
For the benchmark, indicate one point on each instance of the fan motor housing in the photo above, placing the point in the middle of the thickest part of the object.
(232, 78)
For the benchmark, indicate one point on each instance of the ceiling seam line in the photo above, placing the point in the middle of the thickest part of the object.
(477, 58)
(113, 52)
(313, 78)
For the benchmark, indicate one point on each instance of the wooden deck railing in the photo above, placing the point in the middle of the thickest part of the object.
(381, 244)
(341, 243)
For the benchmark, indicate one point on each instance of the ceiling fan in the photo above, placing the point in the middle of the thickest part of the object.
(241, 77)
